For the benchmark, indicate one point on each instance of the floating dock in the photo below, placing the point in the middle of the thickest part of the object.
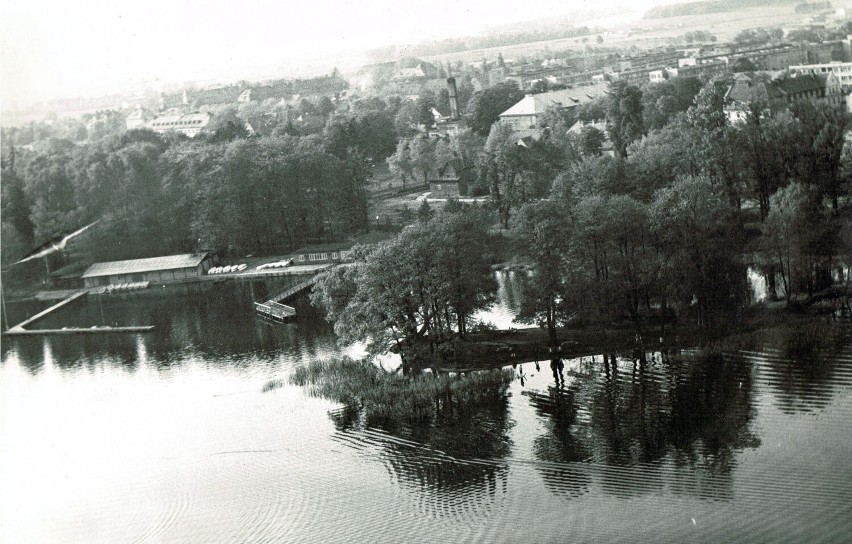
(274, 307)
(274, 310)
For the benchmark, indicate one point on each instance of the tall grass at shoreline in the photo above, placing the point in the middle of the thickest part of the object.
(793, 338)
(386, 396)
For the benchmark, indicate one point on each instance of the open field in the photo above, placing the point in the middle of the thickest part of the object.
(643, 33)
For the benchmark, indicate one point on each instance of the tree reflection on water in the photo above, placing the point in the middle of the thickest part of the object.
(451, 462)
(802, 365)
(558, 407)
(659, 418)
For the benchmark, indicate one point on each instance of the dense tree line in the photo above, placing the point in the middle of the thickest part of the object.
(669, 225)
(226, 192)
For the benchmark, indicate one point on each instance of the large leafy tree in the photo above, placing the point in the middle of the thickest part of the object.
(821, 137)
(371, 132)
(16, 206)
(500, 167)
(661, 102)
(697, 236)
(544, 230)
(486, 106)
(624, 115)
(400, 163)
(800, 238)
(51, 190)
(413, 293)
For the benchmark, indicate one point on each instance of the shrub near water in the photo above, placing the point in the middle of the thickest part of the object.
(388, 397)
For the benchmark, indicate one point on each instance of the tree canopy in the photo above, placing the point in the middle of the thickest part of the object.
(416, 292)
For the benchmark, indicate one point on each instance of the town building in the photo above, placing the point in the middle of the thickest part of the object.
(688, 52)
(415, 72)
(168, 269)
(706, 69)
(843, 70)
(137, 118)
(658, 76)
(189, 124)
(322, 254)
(447, 184)
(525, 115)
(779, 93)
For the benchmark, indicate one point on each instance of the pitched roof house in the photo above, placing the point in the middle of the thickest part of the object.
(524, 116)
(777, 94)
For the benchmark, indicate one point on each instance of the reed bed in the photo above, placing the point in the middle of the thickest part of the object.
(387, 396)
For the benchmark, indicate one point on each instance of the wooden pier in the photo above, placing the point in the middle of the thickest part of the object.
(78, 330)
(21, 330)
(44, 313)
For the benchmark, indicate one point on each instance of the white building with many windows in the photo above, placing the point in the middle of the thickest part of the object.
(190, 123)
(842, 70)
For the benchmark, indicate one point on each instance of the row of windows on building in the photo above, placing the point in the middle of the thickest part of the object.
(176, 123)
(335, 255)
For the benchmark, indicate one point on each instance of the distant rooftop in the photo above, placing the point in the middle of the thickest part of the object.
(535, 104)
(754, 87)
(578, 127)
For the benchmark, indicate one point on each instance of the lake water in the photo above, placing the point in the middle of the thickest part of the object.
(170, 437)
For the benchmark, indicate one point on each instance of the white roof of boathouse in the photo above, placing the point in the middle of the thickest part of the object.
(137, 266)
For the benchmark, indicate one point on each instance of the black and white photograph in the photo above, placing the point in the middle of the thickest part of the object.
(403, 271)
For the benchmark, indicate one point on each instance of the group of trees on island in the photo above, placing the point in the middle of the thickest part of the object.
(667, 227)
(416, 291)
(671, 223)
(674, 219)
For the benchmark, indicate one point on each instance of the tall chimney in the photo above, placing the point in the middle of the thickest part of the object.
(454, 98)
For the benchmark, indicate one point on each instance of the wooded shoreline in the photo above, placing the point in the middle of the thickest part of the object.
(498, 348)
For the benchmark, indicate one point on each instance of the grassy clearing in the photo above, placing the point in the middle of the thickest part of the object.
(386, 397)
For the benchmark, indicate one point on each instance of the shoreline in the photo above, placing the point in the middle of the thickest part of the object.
(496, 349)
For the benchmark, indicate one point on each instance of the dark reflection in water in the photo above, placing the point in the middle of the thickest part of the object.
(801, 366)
(691, 411)
(450, 462)
(30, 353)
(712, 410)
(558, 407)
(169, 436)
(212, 323)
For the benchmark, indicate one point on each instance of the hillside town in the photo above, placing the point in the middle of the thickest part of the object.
(552, 97)
(565, 279)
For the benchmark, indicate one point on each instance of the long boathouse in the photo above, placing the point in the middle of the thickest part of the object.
(169, 269)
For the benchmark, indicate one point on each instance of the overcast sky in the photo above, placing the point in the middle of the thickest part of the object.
(51, 48)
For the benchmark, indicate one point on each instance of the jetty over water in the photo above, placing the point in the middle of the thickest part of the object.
(44, 313)
(275, 308)
(79, 330)
(21, 330)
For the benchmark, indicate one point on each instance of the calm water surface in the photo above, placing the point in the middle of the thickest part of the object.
(170, 437)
